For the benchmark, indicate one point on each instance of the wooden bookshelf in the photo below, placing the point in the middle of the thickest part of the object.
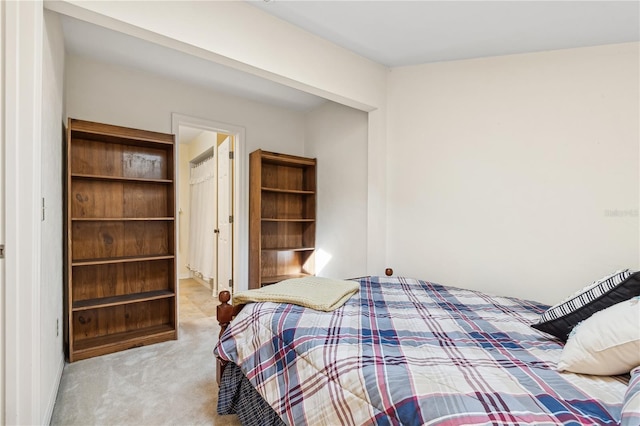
(282, 217)
(120, 246)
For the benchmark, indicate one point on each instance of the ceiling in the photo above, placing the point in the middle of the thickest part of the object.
(392, 33)
(187, 134)
(400, 33)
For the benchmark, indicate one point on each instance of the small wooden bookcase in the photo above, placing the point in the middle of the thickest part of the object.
(120, 246)
(282, 217)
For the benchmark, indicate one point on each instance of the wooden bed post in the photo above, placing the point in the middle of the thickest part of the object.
(224, 311)
(224, 314)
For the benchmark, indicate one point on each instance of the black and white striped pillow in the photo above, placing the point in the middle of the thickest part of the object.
(560, 319)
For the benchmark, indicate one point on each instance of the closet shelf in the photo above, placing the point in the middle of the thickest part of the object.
(119, 178)
(278, 278)
(288, 248)
(288, 191)
(104, 302)
(120, 219)
(85, 130)
(88, 347)
(270, 219)
(287, 160)
(123, 259)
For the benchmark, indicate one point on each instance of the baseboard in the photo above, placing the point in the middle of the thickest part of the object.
(54, 393)
(184, 276)
(201, 281)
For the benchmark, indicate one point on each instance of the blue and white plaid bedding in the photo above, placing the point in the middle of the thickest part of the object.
(409, 352)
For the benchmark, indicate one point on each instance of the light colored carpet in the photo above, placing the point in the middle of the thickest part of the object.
(170, 383)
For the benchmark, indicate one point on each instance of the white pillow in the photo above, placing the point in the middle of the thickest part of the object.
(607, 343)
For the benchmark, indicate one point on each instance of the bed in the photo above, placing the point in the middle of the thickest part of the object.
(406, 351)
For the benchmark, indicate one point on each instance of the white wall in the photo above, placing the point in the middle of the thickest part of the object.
(505, 173)
(337, 136)
(203, 142)
(116, 95)
(51, 261)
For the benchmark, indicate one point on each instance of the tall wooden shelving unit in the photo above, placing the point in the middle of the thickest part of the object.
(282, 217)
(120, 249)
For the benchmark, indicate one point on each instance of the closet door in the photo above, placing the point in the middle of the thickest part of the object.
(225, 271)
(202, 219)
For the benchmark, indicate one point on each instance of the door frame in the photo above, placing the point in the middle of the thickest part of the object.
(240, 184)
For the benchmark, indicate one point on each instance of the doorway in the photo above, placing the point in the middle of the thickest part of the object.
(206, 192)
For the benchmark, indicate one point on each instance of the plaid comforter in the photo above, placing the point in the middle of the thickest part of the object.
(409, 352)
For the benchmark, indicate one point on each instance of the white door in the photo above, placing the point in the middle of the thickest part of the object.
(225, 194)
(211, 206)
(202, 219)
